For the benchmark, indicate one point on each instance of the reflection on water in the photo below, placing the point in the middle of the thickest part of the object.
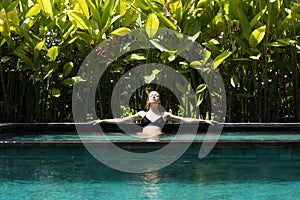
(151, 187)
(82, 177)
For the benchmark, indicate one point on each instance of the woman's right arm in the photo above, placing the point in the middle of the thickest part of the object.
(128, 119)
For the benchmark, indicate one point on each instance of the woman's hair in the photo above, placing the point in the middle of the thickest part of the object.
(147, 107)
(148, 104)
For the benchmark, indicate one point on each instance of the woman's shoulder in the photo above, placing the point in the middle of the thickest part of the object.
(141, 113)
(166, 114)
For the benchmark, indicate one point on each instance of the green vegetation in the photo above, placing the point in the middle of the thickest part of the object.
(254, 43)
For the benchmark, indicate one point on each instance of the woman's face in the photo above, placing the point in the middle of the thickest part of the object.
(154, 97)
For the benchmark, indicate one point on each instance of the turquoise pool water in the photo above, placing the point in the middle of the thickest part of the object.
(286, 136)
(229, 172)
(82, 177)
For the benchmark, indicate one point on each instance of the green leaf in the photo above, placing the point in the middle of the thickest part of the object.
(200, 98)
(39, 46)
(255, 57)
(84, 7)
(72, 80)
(70, 40)
(108, 8)
(34, 10)
(12, 6)
(24, 29)
(130, 16)
(212, 47)
(4, 24)
(70, 31)
(183, 71)
(199, 64)
(295, 7)
(55, 92)
(167, 21)
(168, 55)
(118, 69)
(4, 59)
(142, 4)
(122, 7)
(200, 88)
(194, 37)
(48, 74)
(46, 7)
(148, 79)
(285, 24)
(94, 11)
(135, 56)
(121, 31)
(256, 19)
(108, 25)
(37, 50)
(152, 24)
(13, 19)
(158, 46)
(85, 37)
(240, 15)
(221, 57)
(67, 68)
(78, 19)
(53, 52)
(287, 41)
(19, 51)
(176, 9)
(243, 44)
(257, 36)
(234, 81)
(180, 88)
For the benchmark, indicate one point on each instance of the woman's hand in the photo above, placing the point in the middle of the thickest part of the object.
(94, 122)
(211, 122)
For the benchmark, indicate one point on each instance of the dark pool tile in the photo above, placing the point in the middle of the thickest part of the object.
(8, 152)
(286, 153)
(227, 153)
(268, 152)
(250, 153)
(296, 152)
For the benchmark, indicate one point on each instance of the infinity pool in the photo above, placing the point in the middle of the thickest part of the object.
(243, 165)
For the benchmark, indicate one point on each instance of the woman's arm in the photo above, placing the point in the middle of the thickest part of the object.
(178, 119)
(127, 119)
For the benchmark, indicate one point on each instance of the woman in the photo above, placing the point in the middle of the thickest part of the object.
(153, 119)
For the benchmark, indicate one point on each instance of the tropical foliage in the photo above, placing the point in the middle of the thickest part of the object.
(254, 43)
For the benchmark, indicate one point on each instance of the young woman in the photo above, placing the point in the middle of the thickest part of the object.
(153, 119)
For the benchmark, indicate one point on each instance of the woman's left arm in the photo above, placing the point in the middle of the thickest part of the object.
(178, 119)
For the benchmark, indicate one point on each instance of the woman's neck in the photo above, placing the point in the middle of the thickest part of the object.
(154, 108)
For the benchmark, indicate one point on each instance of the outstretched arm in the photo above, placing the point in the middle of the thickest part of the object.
(178, 119)
(127, 119)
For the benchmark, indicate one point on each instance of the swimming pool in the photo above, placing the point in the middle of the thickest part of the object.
(264, 165)
(80, 176)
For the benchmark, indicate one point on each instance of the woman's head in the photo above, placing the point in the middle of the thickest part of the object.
(153, 98)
